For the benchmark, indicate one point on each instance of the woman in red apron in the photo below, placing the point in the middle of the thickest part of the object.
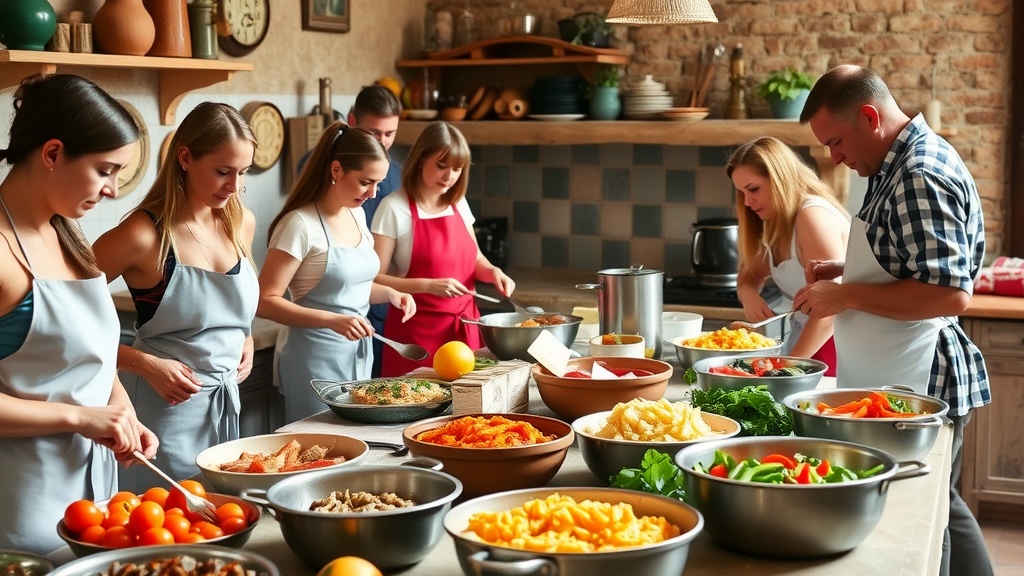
(423, 234)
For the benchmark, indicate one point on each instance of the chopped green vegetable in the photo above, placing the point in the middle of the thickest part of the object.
(690, 376)
(657, 474)
(752, 406)
(898, 404)
(480, 363)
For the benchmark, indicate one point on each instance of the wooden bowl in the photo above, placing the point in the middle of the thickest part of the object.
(488, 470)
(571, 398)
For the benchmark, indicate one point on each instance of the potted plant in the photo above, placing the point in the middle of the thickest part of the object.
(786, 91)
(588, 29)
(604, 94)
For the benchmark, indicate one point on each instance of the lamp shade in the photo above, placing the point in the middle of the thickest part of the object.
(661, 12)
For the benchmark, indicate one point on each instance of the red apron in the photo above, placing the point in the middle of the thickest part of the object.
(441, 248)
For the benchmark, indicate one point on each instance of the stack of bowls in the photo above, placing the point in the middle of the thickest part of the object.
(558, 95)
(645, 100)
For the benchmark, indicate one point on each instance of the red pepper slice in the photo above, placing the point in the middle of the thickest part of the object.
(786, 461)
(728, 371)
(762, 365)
(803, 473)
(719, 470)
(824, 469)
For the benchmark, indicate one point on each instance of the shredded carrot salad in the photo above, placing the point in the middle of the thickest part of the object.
(485, 432)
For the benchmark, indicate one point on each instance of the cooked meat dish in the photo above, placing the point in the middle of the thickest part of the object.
(359, 502)
(400, 391)
(179, 566)
(289, 458)
(550, 320)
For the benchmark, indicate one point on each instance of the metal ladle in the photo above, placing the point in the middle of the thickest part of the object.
(741, 324)
(531, 310)
(407, 351)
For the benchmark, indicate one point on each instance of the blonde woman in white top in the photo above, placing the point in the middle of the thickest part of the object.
(787, 216)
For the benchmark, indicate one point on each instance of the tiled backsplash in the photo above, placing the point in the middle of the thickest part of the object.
(596, 206)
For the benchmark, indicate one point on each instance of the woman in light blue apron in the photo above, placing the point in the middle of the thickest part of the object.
(321, 253)
(64, 416)
(184, 254)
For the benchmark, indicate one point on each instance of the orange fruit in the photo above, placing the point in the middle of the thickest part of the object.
(349, 566)
(454, 360)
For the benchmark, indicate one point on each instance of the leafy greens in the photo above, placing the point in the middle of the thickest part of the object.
(752, 406)
(657, 474)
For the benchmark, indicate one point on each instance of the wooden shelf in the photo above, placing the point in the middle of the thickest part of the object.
(517, 51)
(665, 132)
(177, 76)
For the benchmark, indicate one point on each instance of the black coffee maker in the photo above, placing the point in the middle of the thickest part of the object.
(715, 256)
(491, 236)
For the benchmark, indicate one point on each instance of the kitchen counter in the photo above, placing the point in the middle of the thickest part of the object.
(907, 540)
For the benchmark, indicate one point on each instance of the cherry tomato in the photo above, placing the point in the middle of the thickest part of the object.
(116, 518)
(93, 535)
(156, 536)
(177, 500)
(156, 494)
(191, 538)
(129, 498)
(230, 510)
(118, 537)
(178, 526)
(173, 512)
(82, 514)
(145, 516)
(233, 525)
(207, 530)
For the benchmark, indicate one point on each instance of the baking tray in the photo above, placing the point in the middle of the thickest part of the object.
(337, 396)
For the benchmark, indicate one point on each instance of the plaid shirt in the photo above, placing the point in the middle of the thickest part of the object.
(924, 221)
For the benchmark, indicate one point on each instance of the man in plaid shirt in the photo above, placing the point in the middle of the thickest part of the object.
(915, 248)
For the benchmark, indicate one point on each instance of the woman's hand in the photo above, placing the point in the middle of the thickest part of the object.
(503, 283)
(823, 270)
(172, 380)
(756, 309)
(403, 302)
(351, 327)
(446, 287)
(820, 300)
(245, 365)
(116, 427)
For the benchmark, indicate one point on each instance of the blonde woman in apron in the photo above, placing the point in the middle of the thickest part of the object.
(787, 216)
(321, 254)
(64, 416)
(184, 254)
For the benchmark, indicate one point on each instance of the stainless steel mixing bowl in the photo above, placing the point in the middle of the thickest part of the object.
(390, 539)
(669, 557)
(903, 438)
(506, 340)
(690, 355)
(779, 386)
(791, 521)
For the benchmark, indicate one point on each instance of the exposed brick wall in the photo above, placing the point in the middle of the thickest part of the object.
(967, 41)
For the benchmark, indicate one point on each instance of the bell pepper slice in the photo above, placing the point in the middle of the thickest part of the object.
(728, 371)
(803, 473)
(786, 461)
(719, 470)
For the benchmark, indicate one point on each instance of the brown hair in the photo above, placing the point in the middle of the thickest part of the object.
(207, 128)
(792, 182)
(351, 148)
(842, 91)
(443, 138)
(376, 100)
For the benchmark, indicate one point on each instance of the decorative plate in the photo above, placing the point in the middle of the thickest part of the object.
(131, 175)
(337, 396)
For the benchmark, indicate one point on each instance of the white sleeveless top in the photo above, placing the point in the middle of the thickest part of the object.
(789, 274)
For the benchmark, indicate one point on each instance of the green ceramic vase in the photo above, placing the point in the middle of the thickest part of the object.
(26, 24)
(605, 103)
(788, 109)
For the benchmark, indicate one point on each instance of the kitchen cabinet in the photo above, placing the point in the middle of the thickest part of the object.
(993, 453)
(176, 76)
(262, 405)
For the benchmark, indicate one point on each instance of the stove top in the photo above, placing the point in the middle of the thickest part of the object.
(686, 290)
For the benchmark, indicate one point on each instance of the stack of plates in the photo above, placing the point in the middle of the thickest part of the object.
(558, 96)
(646, 99)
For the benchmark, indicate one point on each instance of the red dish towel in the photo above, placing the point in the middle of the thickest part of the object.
(1005, 277)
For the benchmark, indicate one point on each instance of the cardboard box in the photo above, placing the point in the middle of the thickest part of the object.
(504, 387)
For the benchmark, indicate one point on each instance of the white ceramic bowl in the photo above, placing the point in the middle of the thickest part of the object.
(632, 346)
(683, 325)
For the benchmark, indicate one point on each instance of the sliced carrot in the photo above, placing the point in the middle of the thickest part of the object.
(852, 407)
(861, 412)
(786, 461)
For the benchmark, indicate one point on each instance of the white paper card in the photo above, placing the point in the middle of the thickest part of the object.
(550, 353)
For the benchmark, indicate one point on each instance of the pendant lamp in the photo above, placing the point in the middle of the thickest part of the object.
(661, 12)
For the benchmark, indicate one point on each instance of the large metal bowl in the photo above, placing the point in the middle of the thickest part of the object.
(506, 340)
(391, 539)
(904, 438)
(779, 386)
(791, 521)
(209, 460)
(668, 557)
(690, 355)
(100, 563)
(606, 456)
(29, 563)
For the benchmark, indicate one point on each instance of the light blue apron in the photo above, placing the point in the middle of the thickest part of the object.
(69, 356)
(303, 354)
(202, 321)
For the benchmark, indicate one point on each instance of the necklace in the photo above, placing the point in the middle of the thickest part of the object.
(201, 247)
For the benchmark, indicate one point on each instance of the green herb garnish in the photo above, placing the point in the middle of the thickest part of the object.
(752, 406)
(481, 363)
(657, 474)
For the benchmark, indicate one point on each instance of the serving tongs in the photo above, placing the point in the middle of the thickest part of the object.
(195, 504)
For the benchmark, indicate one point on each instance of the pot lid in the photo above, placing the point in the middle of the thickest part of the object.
(634, 270)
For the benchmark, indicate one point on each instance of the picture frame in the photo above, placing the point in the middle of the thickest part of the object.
(326, 15)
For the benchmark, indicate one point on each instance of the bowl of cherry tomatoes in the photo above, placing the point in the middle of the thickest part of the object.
(156, 517)
(596, 384)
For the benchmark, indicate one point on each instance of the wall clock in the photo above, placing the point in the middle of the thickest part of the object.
(267, 124)
(131, 174)
(247, 23)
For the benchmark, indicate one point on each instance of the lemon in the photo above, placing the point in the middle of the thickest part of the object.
(391, 84)
(349, 566)
(454, 360)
